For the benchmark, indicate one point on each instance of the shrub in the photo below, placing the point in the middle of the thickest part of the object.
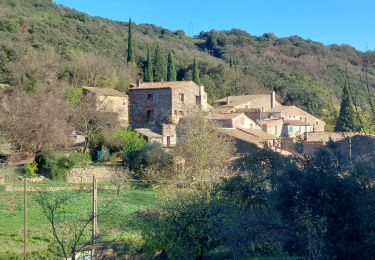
(29, 170)
(73, 95)
(55, 165)
(125, 139)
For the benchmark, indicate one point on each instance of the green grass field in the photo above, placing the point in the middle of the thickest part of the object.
(120, 224)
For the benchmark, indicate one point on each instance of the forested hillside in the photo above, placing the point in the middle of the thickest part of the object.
(42, 43)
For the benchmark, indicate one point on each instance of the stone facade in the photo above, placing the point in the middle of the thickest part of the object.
(110, 100)
(153, 104)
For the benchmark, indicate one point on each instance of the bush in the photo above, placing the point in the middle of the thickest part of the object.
(125, 139)
(29, 170)
(55, 165)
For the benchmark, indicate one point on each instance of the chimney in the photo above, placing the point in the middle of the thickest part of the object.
(138, 83)
(273, 99)
(227, 100)
(203, 97)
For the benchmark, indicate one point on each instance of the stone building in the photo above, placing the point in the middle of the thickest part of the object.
(155, 103)
(158, 106)
(110, 100)
(263, 102)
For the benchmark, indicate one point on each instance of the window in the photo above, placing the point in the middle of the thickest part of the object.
(197, 100)
(290, 128)
(275, 129)
(317, 122)
(150, 96)
(182, 113)
(150, 115)
(168, 140)
(181, 97)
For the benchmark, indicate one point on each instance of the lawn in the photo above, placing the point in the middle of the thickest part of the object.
(120, 224)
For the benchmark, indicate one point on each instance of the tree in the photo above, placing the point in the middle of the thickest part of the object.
(125, 139)
(206, 152)
(90, 120)
(171, 70)
(131, 57)
(149, 72)
(196, 78)
(347, 120)
(37, 122)
(159, 65)
(71, 230)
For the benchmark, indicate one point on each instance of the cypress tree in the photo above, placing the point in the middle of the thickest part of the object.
(195, 72)
(159, 65)
(347, 120)
(130, 43)
(149, 73)
(171, 70)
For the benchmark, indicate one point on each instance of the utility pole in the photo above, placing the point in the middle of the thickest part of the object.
(25, 217)
(94, 215)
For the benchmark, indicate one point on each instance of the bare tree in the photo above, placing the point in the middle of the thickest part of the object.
(71, 233)
(35, 69)
(90, 120)
(36, 122)
(206, 152)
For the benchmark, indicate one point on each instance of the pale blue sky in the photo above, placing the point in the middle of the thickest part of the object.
(327, 21)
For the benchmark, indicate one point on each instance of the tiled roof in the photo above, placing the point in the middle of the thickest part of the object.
(272, 121)
(224, 116)
(105, 91)
(148, 133)
(164, 84)
(295, 122)
(248, 135)
(242, 99)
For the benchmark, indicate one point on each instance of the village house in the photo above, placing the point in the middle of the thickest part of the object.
(263, 102)
(270, 115)
(247, 135)
(158, 106)
(110, 100)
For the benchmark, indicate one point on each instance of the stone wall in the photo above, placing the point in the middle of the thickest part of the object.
(117, 105)
(192, 101)
(169, 130)
(102, 173)
(143, 100)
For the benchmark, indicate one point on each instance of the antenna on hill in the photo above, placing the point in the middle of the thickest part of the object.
(191, 29)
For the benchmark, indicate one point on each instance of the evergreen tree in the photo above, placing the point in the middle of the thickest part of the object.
(195, 72)
(159, 65)
(171, 70)
(149, 73)
(130, 43)
(347, 120)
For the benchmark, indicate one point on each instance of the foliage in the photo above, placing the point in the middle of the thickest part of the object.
(206, 153)
(75, 48)
(347, 120)
(171, 70)
(131, 57)
(152, 164)
(195, 72)
(29, 169)
(55, 164)
(125, 139)
(73, 95)
(37, 122)
(149, 71)
(191, 226)
(159, 65)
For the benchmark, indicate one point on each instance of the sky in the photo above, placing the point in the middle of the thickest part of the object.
(327, 21)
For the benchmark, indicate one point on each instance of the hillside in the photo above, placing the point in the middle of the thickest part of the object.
(44, 43)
